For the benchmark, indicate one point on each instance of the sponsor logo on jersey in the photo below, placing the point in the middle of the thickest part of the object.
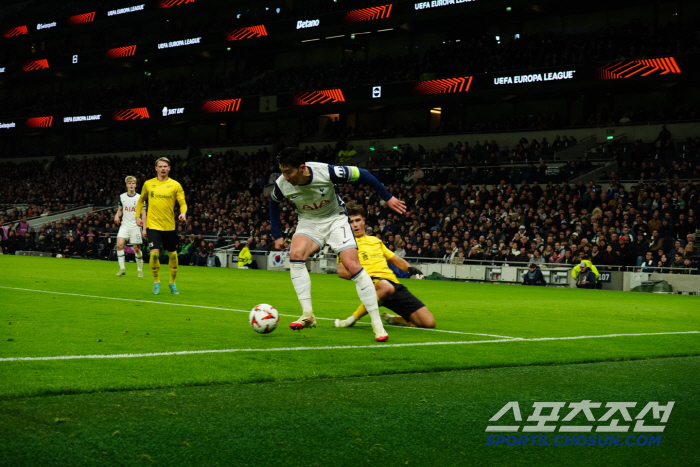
(314, 206)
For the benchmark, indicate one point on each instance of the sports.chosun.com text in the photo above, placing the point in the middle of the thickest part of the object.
(572, 440)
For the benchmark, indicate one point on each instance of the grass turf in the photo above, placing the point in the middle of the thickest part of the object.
(72, 308)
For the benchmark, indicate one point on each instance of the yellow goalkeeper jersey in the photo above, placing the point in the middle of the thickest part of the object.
(161, 197)
(374, 256)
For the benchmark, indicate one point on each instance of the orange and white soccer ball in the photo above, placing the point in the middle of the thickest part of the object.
(264, 318)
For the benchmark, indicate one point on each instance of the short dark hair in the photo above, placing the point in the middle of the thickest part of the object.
(355, 209)
(291, 157)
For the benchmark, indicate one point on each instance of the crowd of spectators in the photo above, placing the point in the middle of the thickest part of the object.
(550, 222)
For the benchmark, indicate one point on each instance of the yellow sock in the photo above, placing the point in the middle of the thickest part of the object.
(154, 262)
(172, 264)
(360, 312)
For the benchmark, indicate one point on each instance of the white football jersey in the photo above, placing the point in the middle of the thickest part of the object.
(319, 198)
(128, 205)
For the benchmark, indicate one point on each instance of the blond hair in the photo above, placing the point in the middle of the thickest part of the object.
(163, 159)
(130, 178)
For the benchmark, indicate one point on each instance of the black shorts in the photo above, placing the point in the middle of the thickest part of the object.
(402, 302)
(162, 239)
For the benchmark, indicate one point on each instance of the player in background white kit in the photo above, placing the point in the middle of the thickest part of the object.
(323, 219)
(128, 230)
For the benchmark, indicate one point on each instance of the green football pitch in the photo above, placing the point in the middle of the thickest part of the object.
(95, 370)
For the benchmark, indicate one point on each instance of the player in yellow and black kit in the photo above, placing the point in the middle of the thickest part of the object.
(390, 293)
(161, 193)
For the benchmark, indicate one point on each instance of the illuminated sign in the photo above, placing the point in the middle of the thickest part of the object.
(376, 92)
(308, 23)
(169, 3)
(81, 19)
(45, 25)
(535, 77)
(18, 31)
(437, 4)
(139, 113)
(7, 125)
(368, 14)
(180, 43)
(319, 97)
(39, 122)
(82, 118)
(2, 70)
(629, 68)
(444, 86)
(36, 65)
(173, 111)
(118, 52)
(129, 9)
(225, 105)
(246, 33)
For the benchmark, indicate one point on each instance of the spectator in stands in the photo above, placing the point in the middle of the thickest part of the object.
(677, 263)
(210, 260)
(649, 264)
(184, 255)
(585, 277)
(534, 276)
(91, 248)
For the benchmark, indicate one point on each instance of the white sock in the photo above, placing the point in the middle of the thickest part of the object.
(302, 284)
(139, 261)
(368, 297)
(120, 258)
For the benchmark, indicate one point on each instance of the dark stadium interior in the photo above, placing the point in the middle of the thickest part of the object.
(86, 89)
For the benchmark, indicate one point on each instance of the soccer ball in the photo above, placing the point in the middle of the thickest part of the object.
(417, 276)
(59, 255)
(264, 318)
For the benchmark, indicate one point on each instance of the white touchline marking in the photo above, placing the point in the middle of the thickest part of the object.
(329, 347)
(230, 309)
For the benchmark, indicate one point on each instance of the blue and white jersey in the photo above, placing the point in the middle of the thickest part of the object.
(128, 205)
(318, 199)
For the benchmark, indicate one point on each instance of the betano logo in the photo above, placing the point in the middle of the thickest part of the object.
(224, 105)
(119, 52)
(309, 23)
(246, 33)
(444, 86)
(319, 97)
(138, 113)
(36, 65)
(39, 122)
(14, 32)
(629, 68)
(41, 26)
(82, 19)
(368, 14)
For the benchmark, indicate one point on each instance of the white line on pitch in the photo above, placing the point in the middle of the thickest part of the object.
(329, 347)
(228, 309)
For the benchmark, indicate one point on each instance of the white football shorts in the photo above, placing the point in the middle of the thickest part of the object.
(131, 234)
(335, 231)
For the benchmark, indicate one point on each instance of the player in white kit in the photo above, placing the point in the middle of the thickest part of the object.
(323, 220)
(128, 230)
